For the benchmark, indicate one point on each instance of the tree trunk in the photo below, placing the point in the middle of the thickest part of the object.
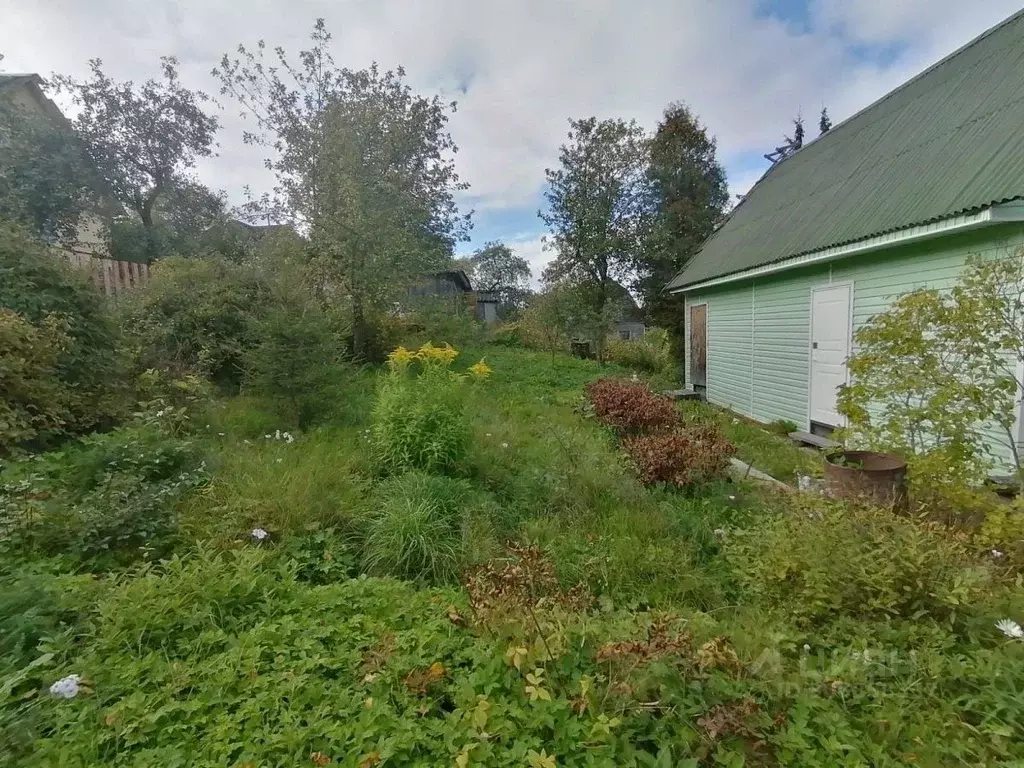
(361, 332)
(146, 215)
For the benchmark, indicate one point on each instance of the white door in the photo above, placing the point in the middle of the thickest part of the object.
(830, 346)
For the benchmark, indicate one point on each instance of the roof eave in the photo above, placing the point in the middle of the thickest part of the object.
(995, 214)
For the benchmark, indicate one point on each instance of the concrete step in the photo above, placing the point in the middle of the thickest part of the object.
(806, 438)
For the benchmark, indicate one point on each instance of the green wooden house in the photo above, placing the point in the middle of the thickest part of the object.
(892, 199)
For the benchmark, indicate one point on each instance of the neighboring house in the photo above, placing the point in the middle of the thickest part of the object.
(894, 198)
(630, 325)
(454, 287)
(89, 251)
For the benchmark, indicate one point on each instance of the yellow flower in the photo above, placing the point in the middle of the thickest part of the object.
(480, 370)
(442, 356)
(400, 359)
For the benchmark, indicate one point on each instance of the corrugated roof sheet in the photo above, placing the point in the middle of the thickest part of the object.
(948, 141)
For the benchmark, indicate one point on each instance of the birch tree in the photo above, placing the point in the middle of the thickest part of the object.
(363, 164)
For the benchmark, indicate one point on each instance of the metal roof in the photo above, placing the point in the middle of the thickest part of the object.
(948, 141)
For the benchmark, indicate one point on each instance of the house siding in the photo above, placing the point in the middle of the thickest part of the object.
(759, 329)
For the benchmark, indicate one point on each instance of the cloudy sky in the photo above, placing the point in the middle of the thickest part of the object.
(520, 68)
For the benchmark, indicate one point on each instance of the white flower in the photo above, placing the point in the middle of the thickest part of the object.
(277, 435)
(288, 437)
(488, 434)
(504, 445)
(996, 553)
(66, 687)
(807, 647)
(732, 498)
(220, 434)
(259, 534)
(247, 442)
(266, 437)
(1010, 628)
(279, 460)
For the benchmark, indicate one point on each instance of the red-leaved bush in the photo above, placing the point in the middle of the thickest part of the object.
(683, 457)
(630, 407)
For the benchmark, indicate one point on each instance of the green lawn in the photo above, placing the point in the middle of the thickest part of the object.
(772, 453)
(592, 621)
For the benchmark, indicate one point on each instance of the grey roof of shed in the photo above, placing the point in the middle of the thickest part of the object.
(944, 143)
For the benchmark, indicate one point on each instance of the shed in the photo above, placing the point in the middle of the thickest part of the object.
(893, 199)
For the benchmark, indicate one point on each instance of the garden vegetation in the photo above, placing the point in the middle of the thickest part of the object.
(469, 556)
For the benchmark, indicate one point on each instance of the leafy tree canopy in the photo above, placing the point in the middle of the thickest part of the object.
(599, 211)
(495, 267)
(363, 164)
(143, 139)
(691, 195)
(46, 179)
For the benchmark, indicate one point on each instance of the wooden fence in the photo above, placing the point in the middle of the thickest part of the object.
(111, 276)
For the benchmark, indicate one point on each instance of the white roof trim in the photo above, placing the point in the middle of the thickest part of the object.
(996, 214)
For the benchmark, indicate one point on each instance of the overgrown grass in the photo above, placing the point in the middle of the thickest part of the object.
(718, 627)
(771, 453)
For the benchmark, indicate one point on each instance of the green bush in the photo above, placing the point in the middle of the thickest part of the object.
(821, 562)
(296, 360)
(35, 402)
(83, 382)
(415, 532)
(652, 353)
(419, 420)
(195, 316)
(103, 502)
(439, 319)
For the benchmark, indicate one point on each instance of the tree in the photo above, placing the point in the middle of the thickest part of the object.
(691, 196)
(824, 122)
(497, 269)
(937, 369)
(143, 140)
(792, 143)
(798, 133)
(362, 163)
(181, 219)
(599, 209)
(46, 181)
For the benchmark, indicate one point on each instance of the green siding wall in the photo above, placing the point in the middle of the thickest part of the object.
(759, 329)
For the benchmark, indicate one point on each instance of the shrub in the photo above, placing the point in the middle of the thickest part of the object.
(443, 319)
(822, 561)
(630, 407)
(651, 353)
(66, 330)
(683, 457)
(34, 402)
(106, 501)
(418, 417)
(296, 359)
(415, 533)
(195, 316)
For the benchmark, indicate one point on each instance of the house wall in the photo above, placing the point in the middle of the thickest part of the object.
(758, 330)
(630, 329)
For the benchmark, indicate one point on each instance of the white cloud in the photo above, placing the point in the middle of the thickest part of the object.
(528, 65)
